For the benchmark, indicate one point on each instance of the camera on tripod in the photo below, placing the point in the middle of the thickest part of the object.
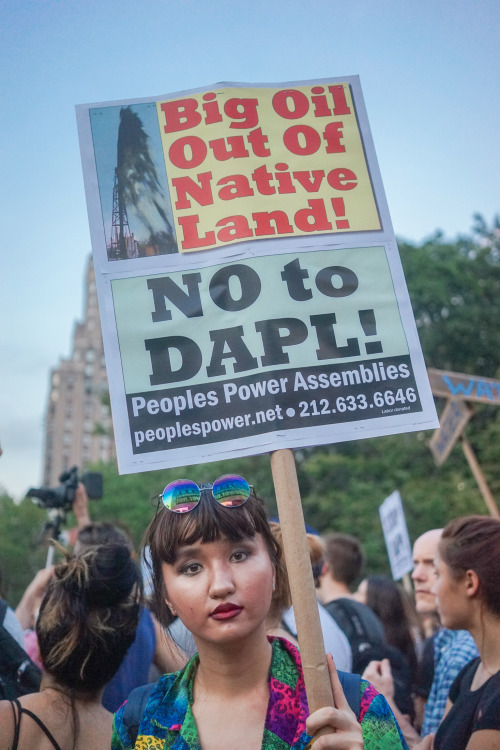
(62, 497)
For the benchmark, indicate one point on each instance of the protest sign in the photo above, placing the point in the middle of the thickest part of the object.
(453, 421)
(396, 536)
(250, 287)
(459, 386)
(251, 292)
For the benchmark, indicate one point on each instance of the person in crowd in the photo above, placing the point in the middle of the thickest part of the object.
(334, 638)
(18, 673)
(385, 598)
(27, 610)
(453, 649)
(87, 621)
(467, 588)
(342, 568)
(424, 550)
(11, 620)
(151, 645)
(422, 575)
(215, 563)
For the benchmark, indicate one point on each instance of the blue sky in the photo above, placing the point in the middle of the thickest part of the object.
(430, 77)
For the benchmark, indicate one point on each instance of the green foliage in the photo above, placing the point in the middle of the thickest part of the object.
(21, 555)
(455, 292)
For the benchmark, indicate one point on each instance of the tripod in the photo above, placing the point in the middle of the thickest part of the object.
(52, 530)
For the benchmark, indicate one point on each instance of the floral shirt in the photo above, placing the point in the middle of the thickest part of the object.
(168, 721)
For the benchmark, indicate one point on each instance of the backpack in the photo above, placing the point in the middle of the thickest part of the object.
(18, 674)
(138, 698)
(363, 630)
(365, 634)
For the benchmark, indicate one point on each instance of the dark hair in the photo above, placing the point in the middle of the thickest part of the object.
(387, 600)
(316, 553)
(88, 617)
(282, 598)
(473, 543)
(102, 532)
(344, 556)
(207, 522)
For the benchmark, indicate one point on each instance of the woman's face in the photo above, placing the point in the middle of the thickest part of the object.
(450, 596)
(221, 590)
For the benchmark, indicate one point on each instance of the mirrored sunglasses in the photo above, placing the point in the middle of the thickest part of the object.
(229, 490)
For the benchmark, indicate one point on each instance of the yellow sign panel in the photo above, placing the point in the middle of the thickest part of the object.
(265, 163)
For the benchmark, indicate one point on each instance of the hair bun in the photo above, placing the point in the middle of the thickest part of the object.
(112, 575)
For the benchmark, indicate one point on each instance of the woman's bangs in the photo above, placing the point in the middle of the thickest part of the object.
(206, 523)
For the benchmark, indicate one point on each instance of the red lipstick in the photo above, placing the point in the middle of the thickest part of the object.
(225, 611)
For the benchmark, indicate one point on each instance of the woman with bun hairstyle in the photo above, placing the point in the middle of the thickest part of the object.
(215, 564)
(87, 621)
(467, 588)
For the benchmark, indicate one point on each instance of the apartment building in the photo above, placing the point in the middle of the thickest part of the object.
(78, 427)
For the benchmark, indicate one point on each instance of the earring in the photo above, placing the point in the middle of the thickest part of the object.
(274, 584)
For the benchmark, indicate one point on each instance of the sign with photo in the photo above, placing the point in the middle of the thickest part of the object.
(250, 287)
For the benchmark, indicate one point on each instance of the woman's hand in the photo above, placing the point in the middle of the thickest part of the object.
(379, 673)
(347, 735)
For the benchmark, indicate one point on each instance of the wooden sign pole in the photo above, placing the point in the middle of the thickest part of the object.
(298, 561)
(479, 477)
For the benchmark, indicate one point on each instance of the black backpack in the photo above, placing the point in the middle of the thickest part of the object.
(365, 634)
(363, 630)
(18, 674)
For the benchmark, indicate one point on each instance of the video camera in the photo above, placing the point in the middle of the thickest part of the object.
(62, 497)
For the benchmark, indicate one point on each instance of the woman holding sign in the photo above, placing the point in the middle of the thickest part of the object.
(214, 565)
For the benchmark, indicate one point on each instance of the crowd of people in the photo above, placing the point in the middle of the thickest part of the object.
(209, 658)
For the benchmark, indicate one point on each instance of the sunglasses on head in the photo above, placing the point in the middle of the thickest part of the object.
(182, 495)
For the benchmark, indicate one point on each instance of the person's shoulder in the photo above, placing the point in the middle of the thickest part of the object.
(463, 680)
(143, 703)
(460, 647)
(378, 724)
(6, 711)
(7, 724)
(463, 639)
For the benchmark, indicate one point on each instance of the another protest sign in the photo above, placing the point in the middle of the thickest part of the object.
(452, 423)
(396, 536)
(459, 389)
(459, 386)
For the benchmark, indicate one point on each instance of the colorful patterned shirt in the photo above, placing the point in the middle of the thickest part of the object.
(168, 721)
(453, 649)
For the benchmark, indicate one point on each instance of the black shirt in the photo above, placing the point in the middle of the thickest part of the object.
(472, 710)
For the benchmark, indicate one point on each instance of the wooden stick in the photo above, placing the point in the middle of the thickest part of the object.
(479, 477)
(298, 561)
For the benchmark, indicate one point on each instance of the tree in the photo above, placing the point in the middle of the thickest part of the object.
(21, 554)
